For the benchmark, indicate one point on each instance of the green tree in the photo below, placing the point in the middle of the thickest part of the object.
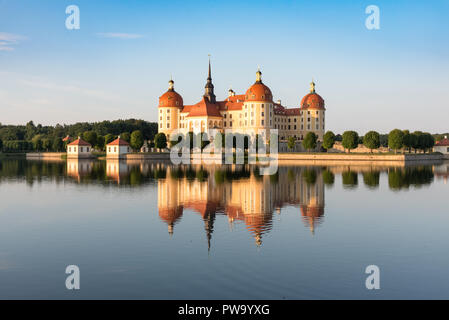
(100, 143)
(328, 140)
(125, 136)
(309, 141)
(408, 140)
(350, 140)
(37, 142)
(291, 143)
(108, 138)
(310, 176)
(30, 131)
(91, 137)
(371, 140)
(371, 179)
(136, 140)
(1, 145)
(416, 140)
(426, 142)
(328, 177)
(160, 140)
(395, 139)
(46, 144)
(57, 144)
(349, 179)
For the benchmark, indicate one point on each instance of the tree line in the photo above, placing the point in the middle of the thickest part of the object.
(31, 137)
(396, 140)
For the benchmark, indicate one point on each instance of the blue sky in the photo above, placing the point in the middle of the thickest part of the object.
(118, 63)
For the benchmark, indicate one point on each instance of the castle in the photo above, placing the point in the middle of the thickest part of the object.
(241, 113)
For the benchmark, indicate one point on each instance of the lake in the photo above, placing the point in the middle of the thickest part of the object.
(148, 230)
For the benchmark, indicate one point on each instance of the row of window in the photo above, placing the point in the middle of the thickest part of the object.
(114, 149)
(81, 149)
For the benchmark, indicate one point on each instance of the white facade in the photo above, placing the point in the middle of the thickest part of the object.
(79, 149)
(117, 149)
(442, 149)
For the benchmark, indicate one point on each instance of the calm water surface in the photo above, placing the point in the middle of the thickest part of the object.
(151, 230)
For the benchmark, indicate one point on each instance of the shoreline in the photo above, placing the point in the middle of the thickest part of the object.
(284, 158)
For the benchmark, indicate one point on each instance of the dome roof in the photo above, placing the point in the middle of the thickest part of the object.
(312, 100)
(171, 98)
(258, 91)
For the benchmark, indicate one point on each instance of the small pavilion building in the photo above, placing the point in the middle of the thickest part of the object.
(79, 149)
(117, 149)
(443, 147)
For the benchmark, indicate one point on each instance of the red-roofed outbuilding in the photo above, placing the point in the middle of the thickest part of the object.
(79, 149)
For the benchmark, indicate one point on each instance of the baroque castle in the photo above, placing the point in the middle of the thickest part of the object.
(250, 112)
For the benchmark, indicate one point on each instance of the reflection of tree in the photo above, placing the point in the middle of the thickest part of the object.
(404, 178)
(371, 179)
(328, 177)
(310, 176)
(350, 179)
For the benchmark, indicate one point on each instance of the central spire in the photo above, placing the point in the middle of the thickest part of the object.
(209, 88)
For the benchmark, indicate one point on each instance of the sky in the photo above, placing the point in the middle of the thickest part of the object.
(117, 64)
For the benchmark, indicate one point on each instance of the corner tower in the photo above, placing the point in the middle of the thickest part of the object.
(170, 106)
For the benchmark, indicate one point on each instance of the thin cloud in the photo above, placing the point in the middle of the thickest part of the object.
(9, 40)
(117, 35)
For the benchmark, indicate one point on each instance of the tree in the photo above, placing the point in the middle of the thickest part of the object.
(46, 144)
(291, 143)
(37, 142)
(395, 139)
(108, 138)
(371, 140)
(350, 140)
(328, 140)
(328, 177)
(57, 144)
(100, 143)
(416, 140)
(427, 141)
(1, 145)
(91, 137)
(136, 140)
(160, 140)
(408, 140)
(125, 136)
(309, 141)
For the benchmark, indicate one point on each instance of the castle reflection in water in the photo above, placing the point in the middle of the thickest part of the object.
(238, 192)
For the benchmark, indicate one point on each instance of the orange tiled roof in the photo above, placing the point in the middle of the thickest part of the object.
(118, 142)
(79, 142)
(203, 108)
(442, 143)
(259, 92)
(312, 101)
(232, 103)
(292, 111)
(171, 99)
